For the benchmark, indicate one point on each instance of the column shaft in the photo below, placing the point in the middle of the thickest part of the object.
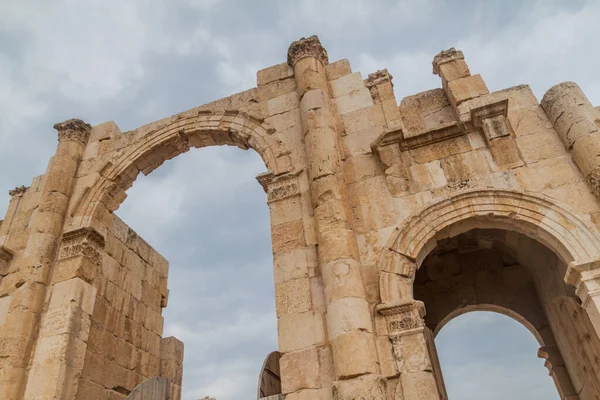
(349, 321)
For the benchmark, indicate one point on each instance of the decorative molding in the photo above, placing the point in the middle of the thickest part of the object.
(307, 47)
(445, 56)
(403, 318)
(83, 241)
(579, 274)
(378, 77)
(73, 130)
(18, 191)
(279, 187)
(491, 118)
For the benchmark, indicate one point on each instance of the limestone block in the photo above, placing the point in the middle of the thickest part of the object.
(346, 315)
(540, 146)
(373, 216)
(361, 167)
(437, 151)
(343, 278)
(283, 103)
(453, 70)
(276, 72)
(29, 297)
(293, 297)
(359, 143)
(273, 89)
(358, 356)
(285, 210)
(311, 394)
(419, 385)
(287, 236)
(55, 378)
(338, 69)
(337, 244)
(586, 152)
(317, 292)
(74, 267)
(426, 176)
(466, 166)
(74, 290)
(363, 119)
(576, 195)
(294, 264)
(386, 357)
(463, 89)
(346, 85)
(299, 370)
(367, 190)
(299, 331)
(547, 174)
(505, 153)
(362, 387)
(353, 101)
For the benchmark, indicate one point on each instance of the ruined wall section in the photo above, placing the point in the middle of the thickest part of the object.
(125, 336)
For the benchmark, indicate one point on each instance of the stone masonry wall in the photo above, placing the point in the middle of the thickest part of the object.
(358, 185)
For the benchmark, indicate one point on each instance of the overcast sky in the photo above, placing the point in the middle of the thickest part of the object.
(138, 61)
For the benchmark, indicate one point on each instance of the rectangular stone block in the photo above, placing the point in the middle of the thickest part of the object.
(74, 290)
(293, 297)
(287, 236)
(299, 370)
(463, 89)
(299, 331)
(338, 69)
(276, 72)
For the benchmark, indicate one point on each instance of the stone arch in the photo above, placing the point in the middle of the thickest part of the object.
(512, 314)
(533, 215)
(164, 140)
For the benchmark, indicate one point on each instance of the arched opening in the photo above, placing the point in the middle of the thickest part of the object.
(512, 274)
(206, 214)
(488, 354)
(131, 288)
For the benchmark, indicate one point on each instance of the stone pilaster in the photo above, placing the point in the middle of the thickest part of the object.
(411, 350)
(349, 322)
(27, 303)
(578, 125)
(585, 278)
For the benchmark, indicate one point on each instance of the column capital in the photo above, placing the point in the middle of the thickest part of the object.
(73, 129)
(307, 47)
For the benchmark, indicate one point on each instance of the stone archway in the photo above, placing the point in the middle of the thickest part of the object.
(509, 252)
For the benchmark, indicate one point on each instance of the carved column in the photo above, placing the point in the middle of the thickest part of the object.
(578, 124)
(46, 225)
(558, 371)
(349, 323)
(411, 351)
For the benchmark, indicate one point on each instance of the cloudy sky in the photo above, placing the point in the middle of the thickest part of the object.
(138, 61)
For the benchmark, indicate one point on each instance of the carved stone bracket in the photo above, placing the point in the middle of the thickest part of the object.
(84, 241)
(491, 118)
(307, 47)
(403, 318)
(73, 129)
(279, 187)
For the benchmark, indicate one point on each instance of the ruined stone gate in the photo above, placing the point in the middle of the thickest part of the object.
(387, 221)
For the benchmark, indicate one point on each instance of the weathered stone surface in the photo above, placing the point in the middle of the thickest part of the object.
(457, 198)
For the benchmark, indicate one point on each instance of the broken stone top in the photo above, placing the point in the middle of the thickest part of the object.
(446, 56)
(73, 129)
(19, 190)
(307, 47)
(379, 77)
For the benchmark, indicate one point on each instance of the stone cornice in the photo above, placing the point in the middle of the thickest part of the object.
(73, 129)
(279, 187)
(307, 47)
